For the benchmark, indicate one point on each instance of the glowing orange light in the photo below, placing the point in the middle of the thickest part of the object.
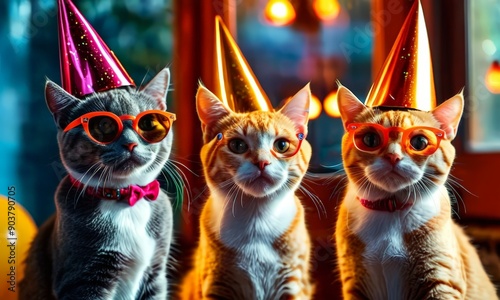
(314, 108)
(331, 106)
(279, 12)
(326, 10)
(492, 79)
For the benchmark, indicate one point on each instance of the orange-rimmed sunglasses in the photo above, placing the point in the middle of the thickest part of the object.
(421, 140)
(104, 127)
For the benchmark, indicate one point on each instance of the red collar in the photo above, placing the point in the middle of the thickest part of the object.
(131, 194)
(388, 204)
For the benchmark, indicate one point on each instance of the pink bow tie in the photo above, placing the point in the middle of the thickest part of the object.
(149, 191)
(132, 193)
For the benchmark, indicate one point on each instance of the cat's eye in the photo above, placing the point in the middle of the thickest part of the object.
(148, 122)
(153, 126)
(419, 142)
(371, 140)
(238, 146)
(104, 127)
(281, 145)
(107, 125)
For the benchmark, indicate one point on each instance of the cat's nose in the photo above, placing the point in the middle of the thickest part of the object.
(262, 164)
(393, 158)
(130, 146)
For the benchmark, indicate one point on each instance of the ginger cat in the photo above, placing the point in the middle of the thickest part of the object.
(395, 236)
(253, 240)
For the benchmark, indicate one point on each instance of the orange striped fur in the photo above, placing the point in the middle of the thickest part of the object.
(414, 253)
(253, 240)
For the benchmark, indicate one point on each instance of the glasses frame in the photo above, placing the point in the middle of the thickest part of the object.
(85, 119)
(405, 139)
(300, 136)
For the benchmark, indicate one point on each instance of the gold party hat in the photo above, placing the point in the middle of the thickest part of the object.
(238, 87)
(406, 79)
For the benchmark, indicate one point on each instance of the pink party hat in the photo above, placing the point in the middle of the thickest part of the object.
(87, 64)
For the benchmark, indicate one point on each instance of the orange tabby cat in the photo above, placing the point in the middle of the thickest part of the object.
(395, 236)
(253, 238)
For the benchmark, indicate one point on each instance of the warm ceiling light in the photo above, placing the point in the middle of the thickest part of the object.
(331, 105)
(279, 12)
(326, 10)
(492, 79)
(314, 108)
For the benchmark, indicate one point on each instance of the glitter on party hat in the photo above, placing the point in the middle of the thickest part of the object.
(406, 79)
(238, 87)
(87, 64)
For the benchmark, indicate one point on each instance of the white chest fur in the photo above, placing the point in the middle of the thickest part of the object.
(131, 239)
(382, 234)
(251, 227)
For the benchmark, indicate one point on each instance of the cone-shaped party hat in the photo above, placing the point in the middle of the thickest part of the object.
(238, 87)
(87, 64)
(406, 79)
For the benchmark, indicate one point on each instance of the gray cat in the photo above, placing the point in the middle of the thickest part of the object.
(94, 247)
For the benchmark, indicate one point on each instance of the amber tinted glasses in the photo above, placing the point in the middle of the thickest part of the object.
(370, 137)
(105, 127)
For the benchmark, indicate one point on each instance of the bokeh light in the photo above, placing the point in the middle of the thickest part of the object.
(331, 105)
(315, 108)
(279, 12)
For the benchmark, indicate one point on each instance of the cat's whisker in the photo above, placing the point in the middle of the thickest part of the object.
(91, 177)
(169, 171)
(96, 165)
(425, 191)
(234, 202)
(82, 191)
(455, 194)
(139, 87)
(178, 163)
(184, 159)
(166, 173)
(233, 189)
(453, 180)
(363, 184)
(320, 208)
(452, 184)
(102, 177)
(178, 179)
(227, 183)
(100, 169)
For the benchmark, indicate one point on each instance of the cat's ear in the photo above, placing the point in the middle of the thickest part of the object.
(210, 109)
(349, 105)
(158, 88)
(58, 100)
(297, 108)
(449, 114)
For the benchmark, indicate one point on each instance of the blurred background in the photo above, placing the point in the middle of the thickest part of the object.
(287, 43)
